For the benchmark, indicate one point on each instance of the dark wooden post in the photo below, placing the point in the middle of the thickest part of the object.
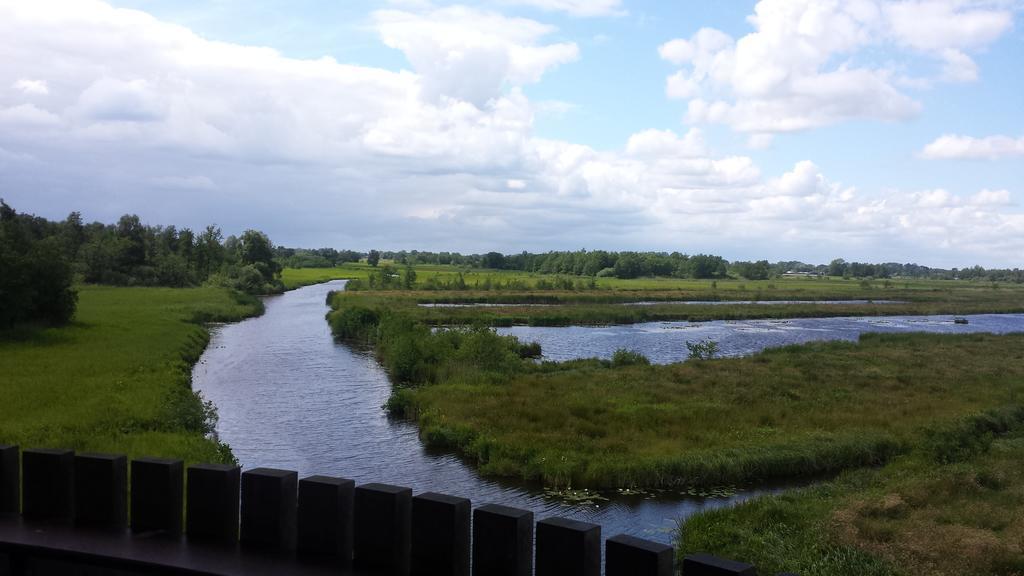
(440, 535)
(269, 508)
(708, 565)
(502, 541)
(629, 556)
(157, 495)
(48, 478)
(325, 519)
(212, 507)
(383, 529)
(10, 480)
(568, 548)
(101, 490)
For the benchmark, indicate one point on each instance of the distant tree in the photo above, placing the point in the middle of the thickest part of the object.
(753, 270)
(837, 267)
(133, 233)
(628, 265)
(707, 266)
(255, 249)
(373, 258)
(495, 260)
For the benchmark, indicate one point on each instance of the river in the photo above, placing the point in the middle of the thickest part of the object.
(289, 396)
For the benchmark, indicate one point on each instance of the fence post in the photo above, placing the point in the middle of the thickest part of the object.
(212, 507)
(10, 480)
(269, 508)
(631, 556)
(708, 565)
(502, 541)
(440, 535)
(101, 490)
(48, 491)
(157, 495)
(383, 529)
(325, 519)
(568, 548)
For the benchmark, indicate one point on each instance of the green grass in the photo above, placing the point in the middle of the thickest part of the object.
(117, 379)
(792, 412)
(297, 277)
(603, 305)
(916, 516)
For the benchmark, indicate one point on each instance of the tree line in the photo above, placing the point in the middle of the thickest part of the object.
(674, 264)
(40, 260)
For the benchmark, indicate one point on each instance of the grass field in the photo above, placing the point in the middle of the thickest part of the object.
(117, 378)
(603, 303)
(786, 413)
(919, 516)
(298, 277)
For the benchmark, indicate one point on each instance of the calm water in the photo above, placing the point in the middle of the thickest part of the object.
(660, 302)
(665, 342)
(290, 397)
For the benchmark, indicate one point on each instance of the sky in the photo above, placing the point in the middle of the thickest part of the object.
(871, 130)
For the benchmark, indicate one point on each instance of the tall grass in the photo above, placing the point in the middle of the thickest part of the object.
(915, 516)
(793, 412)
(117, 379)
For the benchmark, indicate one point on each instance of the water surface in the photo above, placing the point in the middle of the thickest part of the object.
(291, 397)
(665, 342)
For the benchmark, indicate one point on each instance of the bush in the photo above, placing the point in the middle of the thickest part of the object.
(530, 350)
(702, 349)
(623, 357)
(354, 322)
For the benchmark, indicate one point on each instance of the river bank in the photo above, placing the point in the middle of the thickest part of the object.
(117, 378)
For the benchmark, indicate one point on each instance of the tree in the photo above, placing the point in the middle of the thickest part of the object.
(35, 273)
(495, 260)
(707, 266)
(373, 258)
(131, 230)
(255, 249)
(837, 267)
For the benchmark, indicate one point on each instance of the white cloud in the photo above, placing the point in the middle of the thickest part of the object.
(665, 143)
(27, 115)
(320, 152)
(202, 183)
(760, 141)
(952, 146)
(31, 87)
(577, 8)
(808, 63)
(470, 54)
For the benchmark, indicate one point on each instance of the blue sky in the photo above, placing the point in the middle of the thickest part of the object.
(780, 129)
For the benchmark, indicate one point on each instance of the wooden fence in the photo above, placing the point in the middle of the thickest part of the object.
(63, 513)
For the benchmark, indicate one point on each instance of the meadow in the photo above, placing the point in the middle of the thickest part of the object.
(513, 297)
(951, 507)
(117, 378)
(786, 413)
(293, 278)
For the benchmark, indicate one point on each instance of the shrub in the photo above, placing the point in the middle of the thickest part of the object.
(702, 349)
(623, 357)
(530, 350)
(354, 322)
